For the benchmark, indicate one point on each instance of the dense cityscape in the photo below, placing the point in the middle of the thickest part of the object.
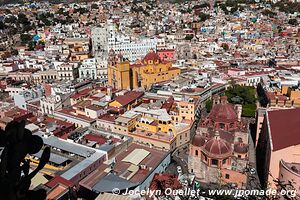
(153, 99)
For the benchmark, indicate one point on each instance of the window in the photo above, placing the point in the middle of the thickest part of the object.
(222, 126)
(205, 157)
(227, 176)
(196, 152)
(214, 162)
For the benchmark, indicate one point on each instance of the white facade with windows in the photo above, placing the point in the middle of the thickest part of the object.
(68, 71)
(87, 70)
(54, 102)
(99, 42)
(108, 37)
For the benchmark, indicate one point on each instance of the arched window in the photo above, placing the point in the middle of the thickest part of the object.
(214, 162)
(196, 152)
(222, 126)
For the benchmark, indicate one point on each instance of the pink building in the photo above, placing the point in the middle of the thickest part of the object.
(290, 172)
(279, 140)
(219, 150)
(166, 54)
(236, 72)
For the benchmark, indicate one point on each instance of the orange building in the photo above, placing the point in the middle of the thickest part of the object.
(288, 97)
(142, 74)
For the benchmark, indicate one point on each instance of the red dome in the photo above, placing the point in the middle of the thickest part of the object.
(151, 56)
(218, 147)
(241, 148)
(198, 140)
(223, 113)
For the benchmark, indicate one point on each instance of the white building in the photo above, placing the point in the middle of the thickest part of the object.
(99, 37)
(87, 70)
(54, 102)
(67, 71)
(101, 70)
(93, 68)
(22, 97)
(131, 48)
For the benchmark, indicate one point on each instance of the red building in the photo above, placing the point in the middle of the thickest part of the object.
(219, 150)
(166, 54)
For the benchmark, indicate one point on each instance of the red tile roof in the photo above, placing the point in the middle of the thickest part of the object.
(96, 138)
(128, 97)
(72, 113)
(284, 128)
(81, 93)
(58, 179)
(108, 117)
(164, 181)
(223, 113)
(151, 56)
(168, 104)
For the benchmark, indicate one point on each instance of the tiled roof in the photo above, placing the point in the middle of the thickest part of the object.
(81, 93)
(151, 56)
(97, 138)
(58, 179)
(284, 128)
(223, 113)
(128, 97)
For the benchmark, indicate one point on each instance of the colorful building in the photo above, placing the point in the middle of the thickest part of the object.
(142, 74)
(219, 150)
(278, 144)
(166, 54)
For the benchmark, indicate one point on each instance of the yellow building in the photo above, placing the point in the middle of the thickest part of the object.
(142, 74)
(287, 97)
(293, 94)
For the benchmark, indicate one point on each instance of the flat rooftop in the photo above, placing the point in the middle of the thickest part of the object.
(64, 145)
(132, 167)
(158, 136)
(54, 158)
(73, 171)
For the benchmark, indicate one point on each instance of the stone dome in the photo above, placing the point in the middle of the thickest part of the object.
(217, 147)
(151, 56)
(223, 112)
(241, 148)
(198, 140)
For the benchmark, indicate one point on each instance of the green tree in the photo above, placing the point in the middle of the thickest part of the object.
(189, 37)
(225, 46)
(60, 11)
(203, 16)
(10, 20)
(208, 105)
(25, 38)
(293, 22)
(268, 12)
(246, 94)
(22, 19)
(31, 45)
(2, 25)
(94, 6)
